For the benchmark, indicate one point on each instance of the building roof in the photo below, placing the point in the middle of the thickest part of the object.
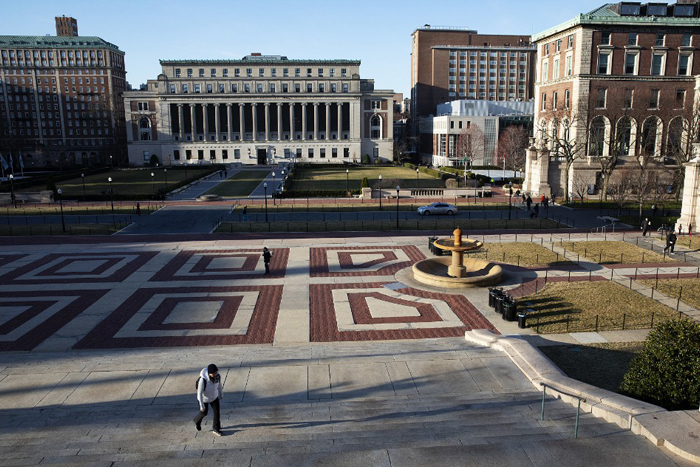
(607, 15)
(264, 59)
(55, 42)
(481, 108)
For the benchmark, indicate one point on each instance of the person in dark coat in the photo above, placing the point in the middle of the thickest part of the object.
(267, 256)
(645, 226)
(528, 201)
(671, 241)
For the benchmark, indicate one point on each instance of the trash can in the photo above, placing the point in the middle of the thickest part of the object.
(522, 318)
(510, 309)
(499, 300)
(433, 249)
(493, 293)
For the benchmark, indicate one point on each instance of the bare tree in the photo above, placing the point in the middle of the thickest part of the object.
(620, 187)
(512, 144)
(470, 144)
(579, 185)
(683, 131)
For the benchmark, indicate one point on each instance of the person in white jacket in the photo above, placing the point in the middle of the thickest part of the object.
(209, 391)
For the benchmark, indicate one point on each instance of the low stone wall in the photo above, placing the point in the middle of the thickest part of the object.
(22, 198)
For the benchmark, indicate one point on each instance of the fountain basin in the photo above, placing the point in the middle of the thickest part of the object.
(479, 273)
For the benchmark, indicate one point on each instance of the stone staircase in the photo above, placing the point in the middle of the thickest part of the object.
(365, 431)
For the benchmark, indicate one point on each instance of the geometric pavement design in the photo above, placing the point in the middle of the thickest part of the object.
(189, 316)
(28, 318)
(372, 311)
(222, 264)
(71, 268)
(362, 260)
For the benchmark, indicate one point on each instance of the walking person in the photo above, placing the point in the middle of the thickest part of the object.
(523, 198)
(245, 214)
(138, 209)
(545, 203)
(209, 392)
(528, 201)
(653, 209)
(267, 256)
(537, 210)
(645, 226)
(672, 241)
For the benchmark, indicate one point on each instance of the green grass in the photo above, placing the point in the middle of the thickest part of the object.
(125, 182)
(240, 185)
(334, 178)
(44, 230)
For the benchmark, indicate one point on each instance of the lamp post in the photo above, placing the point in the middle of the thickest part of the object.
(347, 182)
(273, 188)
(111, 194)
(265, 187)
(417, 179)
(153, 184)
(398, 188)
(165, 172)
(60, 202)
(12, 191)
(510, 195)
(111, 164)
(380, 192)
(84, 195)
(602, 178)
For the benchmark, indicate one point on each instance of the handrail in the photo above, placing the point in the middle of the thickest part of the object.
(578, 408)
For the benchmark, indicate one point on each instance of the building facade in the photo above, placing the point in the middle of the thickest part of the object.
(618, 87)
(474, 119)
(60, 100)
(261, 109)
(457, 63)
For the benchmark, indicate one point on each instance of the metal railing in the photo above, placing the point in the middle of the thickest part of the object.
(578, 407)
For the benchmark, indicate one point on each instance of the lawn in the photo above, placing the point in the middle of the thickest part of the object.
(127, 182)
(335, 178)
(602, 365)
(520, 254)
(672, 288)
(608, 252)
(592, 306)
(71, 208)
(240, 185)
(73, 229)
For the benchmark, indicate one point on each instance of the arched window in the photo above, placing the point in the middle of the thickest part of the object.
(145, 129)
(596, 136)
(375, 127)
(675, 144)
(624, 136)
(651, 137)
(144, 123)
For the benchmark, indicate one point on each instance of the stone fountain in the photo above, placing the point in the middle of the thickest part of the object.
(455, 271)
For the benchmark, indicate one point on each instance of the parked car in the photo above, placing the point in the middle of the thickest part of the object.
(438, 208)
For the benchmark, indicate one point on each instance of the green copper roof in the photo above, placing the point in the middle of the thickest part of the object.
(604, 16)
(57, 42)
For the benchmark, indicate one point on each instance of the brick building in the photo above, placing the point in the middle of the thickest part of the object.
(618, 87)
(261, 109)
(60, 100)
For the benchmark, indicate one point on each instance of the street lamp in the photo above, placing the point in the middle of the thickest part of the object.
(602, 178)
(380, 192)
(12, 191)
(111, 165)
(273, 188)
(265, 186)
(417, 179)
(398, 188)
(153, 184)
(165, 172)
(510, 195)
(60, 201)
(347, 182)
(84, 195)
(111, 195)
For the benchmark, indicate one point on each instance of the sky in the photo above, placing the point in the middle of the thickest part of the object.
(376, 32)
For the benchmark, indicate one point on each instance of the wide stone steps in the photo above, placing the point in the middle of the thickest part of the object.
(135, 434)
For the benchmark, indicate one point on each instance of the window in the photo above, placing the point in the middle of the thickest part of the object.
(630, 63)
(603, 63)
(213, 72)
(274, 72)
(212, 154)
(236, 153)
(209, 88)
(237, 72)
(632, 38)
(234, 87)
(260, 88)
(345, 87)
(554, 100)
(332, 72)
(321, 87)
(567, 98)
(200, 154)
(685, 42)
(143, 106)
(680, 98)
(172, 89)
(343, 72)
(188, 154)
(297, 72)
(201, 72)
(309, 73)
(605, 38)
(224, 154)
(627, 9)
(310, 153)
(309, 87)
(601, 98)
(247, 87)
(177, 72)
(544, 102)
(189, 72)
(334, 87)
(249, 72)
(569, 68)
(546, 49)
(628, 98)
(322, 154)
(272, 87)
(297, 87)
(176, 154)
(184, 88)
(660, 38)
(654, 99)
(285, 87)
(261, 72)
(375, 127)
(656, 10)
(346, 152)
(285, 72)
(683, 65)
(657, 64)
(682, 10)
(197, 88)
(225, 72)
(555, 71)
(570, 43)
(376, 105)
(545, 70)
(320, 72)
(222, 88)
(558, 45)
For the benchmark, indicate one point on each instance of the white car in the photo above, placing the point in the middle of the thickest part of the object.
(438, 208)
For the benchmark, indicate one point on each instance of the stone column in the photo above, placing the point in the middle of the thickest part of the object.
(690, 209)
(267, 121)
(279, 121)
(205, 123)
(303, 121)
(315, 121)
(241, 121)
(254, 110)
(194, 122)
(328, 121)
(340, 120)
(181, 118)
(291, 122)
(217, 122)
(229, 116)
